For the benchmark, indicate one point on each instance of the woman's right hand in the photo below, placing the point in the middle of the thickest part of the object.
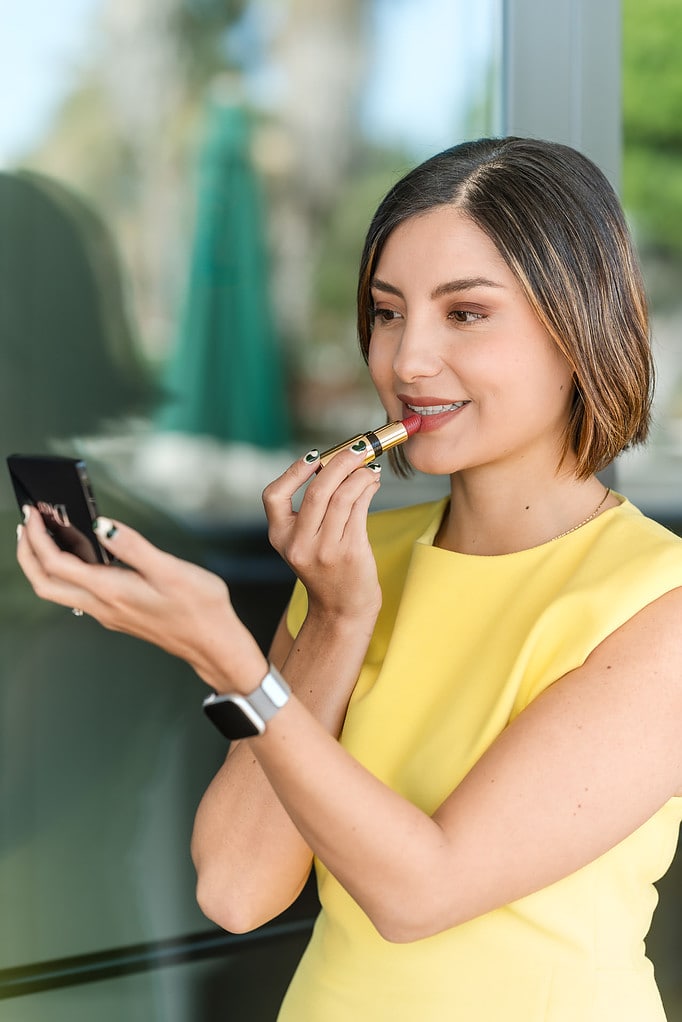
(251, 859)
(325, 542)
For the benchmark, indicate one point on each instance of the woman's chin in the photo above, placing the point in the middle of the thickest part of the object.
(431, 465)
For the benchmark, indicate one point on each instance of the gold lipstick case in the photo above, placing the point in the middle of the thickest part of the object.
(377, 441)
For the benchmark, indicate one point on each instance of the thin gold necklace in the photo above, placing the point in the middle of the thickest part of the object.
(585, 520)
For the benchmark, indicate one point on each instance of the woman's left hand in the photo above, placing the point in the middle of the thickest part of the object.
(178, 606)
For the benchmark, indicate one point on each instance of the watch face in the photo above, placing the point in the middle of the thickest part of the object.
(233, 717)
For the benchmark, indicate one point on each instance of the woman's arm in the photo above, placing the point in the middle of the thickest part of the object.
(241, 821)
(581, 768)
(251, 861)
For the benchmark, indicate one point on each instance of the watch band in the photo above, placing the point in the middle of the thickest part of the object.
(270, 696)
(242, 716)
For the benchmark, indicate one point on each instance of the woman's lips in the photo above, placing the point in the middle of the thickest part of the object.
(434, 413)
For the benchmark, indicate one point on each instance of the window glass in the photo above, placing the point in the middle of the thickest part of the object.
(236, 151)
(184, 189)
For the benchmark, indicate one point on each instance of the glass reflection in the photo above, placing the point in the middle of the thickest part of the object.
(103, 752)
(339, 102)
(89, 776)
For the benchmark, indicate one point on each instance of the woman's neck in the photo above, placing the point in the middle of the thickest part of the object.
(491, 515)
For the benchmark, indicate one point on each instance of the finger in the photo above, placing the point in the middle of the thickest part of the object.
(47, 568)
(278, 496)
(355, 531)
(348, 506)
(132, 549)
(53, 561)
(64, 578)
(150, 578)
(321, 542)
(332, 484)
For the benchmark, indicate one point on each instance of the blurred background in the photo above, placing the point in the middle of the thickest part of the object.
(184, 191)
(236, 151)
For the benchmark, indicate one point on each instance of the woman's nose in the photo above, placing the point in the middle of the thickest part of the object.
(417, 355)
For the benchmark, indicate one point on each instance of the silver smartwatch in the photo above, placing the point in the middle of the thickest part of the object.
(239, 716)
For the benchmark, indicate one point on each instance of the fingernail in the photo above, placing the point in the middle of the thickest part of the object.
(311, 456)
(26, 512)
(359, 447)
(374, 466)
(20, 532)
(105, 528)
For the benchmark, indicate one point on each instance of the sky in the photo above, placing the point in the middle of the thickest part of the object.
(429, 54)
(42, 43)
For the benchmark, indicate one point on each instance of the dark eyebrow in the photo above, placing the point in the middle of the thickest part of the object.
(463, 284)
(381, 285)
(449, 287)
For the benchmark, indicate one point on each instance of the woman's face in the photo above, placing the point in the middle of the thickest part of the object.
(455, 339)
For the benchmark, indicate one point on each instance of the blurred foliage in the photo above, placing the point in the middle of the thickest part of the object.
(344, 234)
(652, 125)
(87, 144)
(127, 134)
(84, 125)
(200, 27)
(125, 137)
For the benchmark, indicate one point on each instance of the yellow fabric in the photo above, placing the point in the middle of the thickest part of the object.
(463, 643)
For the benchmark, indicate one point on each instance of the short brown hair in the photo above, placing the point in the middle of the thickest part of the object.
(559, 226)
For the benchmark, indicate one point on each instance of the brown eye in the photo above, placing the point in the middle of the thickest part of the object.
(465, 316)
(384, 315)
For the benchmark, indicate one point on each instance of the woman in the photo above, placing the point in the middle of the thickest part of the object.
(502, 667)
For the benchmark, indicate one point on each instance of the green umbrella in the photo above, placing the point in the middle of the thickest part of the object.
(225, 375)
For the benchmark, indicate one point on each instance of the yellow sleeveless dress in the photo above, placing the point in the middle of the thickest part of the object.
(463, 643)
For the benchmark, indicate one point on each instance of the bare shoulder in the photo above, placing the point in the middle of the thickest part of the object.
(634, 676)
(652, 636)
(640, 668)
(622, 709)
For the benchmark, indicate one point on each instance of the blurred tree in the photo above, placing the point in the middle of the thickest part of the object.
(200, 27)
(128, 135)
(652, 185)
(319, 53)
(125, 137)
(652, 100)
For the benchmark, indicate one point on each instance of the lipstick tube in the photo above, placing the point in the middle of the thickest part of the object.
(377, 440)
